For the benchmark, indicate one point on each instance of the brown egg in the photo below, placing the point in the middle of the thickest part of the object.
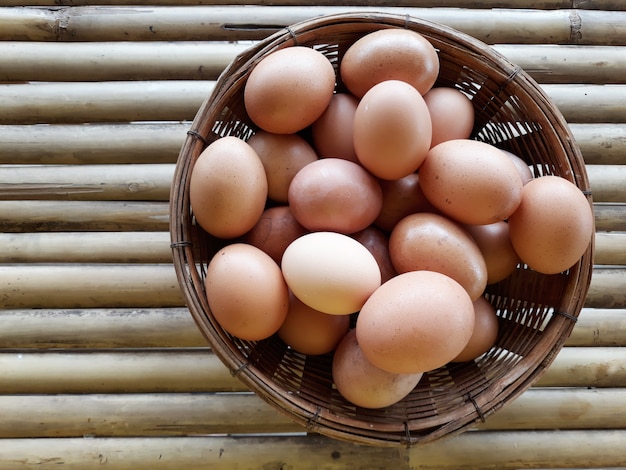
(415, 322)
(275, 230)
(246, 292)
(330, 272)
(401, 197)
(495, 245)
(451, 112)
(362, 383)
(392, 130)
(377, 242)
(289, 89)
(228, 188)
(282, 155)
(524, 170)
(332, 132)
(335, 195)
(432, 242)
(473, 182)
(310, 331)
(389, 54)
(485, 331)
(553, 225)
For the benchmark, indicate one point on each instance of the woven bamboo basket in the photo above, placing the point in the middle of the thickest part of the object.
(537, 312)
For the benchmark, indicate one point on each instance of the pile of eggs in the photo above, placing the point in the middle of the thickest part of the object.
(372, 203)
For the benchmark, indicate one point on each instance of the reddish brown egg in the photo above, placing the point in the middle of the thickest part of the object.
(415, 322)
(246, 292)
(332, 132)
(485, 332)
(426, 241)
(401, 197)
(310, 331)
(553, 225)
(392, 130)
(362, 383)
(332, 194)
(389, 54)
(451, 112)
(524, 170)
(495, 245)
(377, 242)
(228, 188)
(282, 155)
(470, 181)
(288, 89)
(275, 230)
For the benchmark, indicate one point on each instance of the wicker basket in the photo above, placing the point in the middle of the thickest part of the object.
(537, 312)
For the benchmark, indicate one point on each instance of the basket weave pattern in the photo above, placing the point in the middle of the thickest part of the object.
(537, 312)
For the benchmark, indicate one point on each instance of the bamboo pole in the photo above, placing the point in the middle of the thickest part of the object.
(100, 328)
(541, 4)
(86, 247)
(144, 182)
(550, 64)
(469, 451)
(89, 286)
(152, 182)
(154, 247)
(180, 414)
(23, 61)
(167, 100)
(172, 100)
(77, 144)
(156, 285)
(232, 23)
(34, 216)
(199, 370)
(601, 144)
(107, 328)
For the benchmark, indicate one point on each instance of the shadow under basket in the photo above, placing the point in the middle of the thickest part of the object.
(536, 312)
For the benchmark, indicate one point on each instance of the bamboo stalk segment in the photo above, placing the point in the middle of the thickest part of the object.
(78, 144)
(89, 286)
(85, 247)
(23, 61)
(156, 285)
(35, 103)
(506, 450)
(178, 100)
(541, 4)
(610, 248)
(199, 370)
(232, 23)
(601, 143)
(37, 216)
(144, 182)
(101, 328)
(139, 371)
(106, 61)
(105, 328)
(180, 414)
(152, 182)
(34, 216)
(568, 64)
